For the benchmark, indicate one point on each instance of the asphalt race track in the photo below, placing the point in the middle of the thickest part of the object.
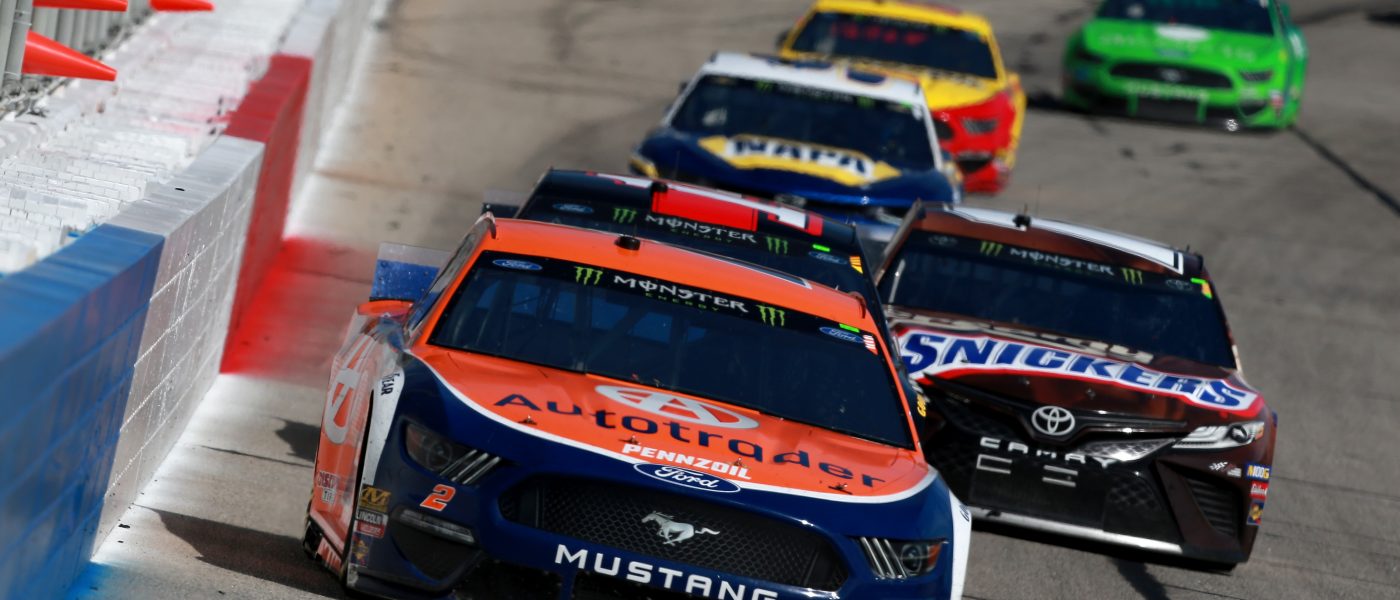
(1300, 229)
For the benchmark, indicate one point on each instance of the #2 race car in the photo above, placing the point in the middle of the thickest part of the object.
(978, 105)
(1231, 63)
(1081, 382)
(855, 145)
(564, 413)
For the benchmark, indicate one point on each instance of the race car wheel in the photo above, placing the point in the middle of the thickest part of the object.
(310, 538)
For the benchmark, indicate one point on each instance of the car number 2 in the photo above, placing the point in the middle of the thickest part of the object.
(442, 494)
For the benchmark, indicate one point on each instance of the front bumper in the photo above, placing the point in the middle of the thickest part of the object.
(1169, 502)
(591, 550)
(1093, 87)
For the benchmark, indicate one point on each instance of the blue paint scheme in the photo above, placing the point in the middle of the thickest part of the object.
(679, 155)
(70, 333)
(425, 400)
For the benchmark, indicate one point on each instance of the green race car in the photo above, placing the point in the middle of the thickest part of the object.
(1232, 63)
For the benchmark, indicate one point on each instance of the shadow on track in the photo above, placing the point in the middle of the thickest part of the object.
(267, 556)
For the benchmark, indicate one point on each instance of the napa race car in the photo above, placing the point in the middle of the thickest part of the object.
(978, 105)
(1229, 63)
(1081, 382)
(855, 145)
(563, 413)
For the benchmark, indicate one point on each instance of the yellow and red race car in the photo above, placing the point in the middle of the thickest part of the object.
(978, 106)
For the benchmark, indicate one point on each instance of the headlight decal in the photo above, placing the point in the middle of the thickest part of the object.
(1217, 437)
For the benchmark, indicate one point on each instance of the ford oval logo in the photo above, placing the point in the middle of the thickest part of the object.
(694, 480)
(519, 265)
(577, 209)
(842, 335)
(824, 257)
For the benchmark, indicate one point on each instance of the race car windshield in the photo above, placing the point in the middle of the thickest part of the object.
(1246, 16)
(883, 131)
(834, 267)
(998, 282)
(896, 41)
(653, 332)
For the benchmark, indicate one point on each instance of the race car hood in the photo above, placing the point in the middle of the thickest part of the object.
(1180, 44)
(770, 167)
(843, 166)
(729, 447)
(1037, 367)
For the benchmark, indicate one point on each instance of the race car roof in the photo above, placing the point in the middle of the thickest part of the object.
(1059, 237)
(824, 75)
(910, 10)
(670, 263)
(708, 205)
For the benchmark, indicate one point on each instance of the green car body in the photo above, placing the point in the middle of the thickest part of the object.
(1232, 63)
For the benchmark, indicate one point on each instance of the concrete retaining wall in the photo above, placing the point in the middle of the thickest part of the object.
(110, 342)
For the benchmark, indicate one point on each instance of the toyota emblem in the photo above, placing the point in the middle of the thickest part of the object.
(1171, 75)
(1052, 421)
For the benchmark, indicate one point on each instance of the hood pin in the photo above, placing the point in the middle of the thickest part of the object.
(528, 420)
(631, 440)
(840, 487)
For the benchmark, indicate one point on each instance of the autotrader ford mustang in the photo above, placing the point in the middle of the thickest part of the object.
(1234, 63)
(1080, 381)
(566, 413)
(852, 144)
(978, 105)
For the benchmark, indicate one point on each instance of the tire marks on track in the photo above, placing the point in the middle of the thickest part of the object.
(1345, 167)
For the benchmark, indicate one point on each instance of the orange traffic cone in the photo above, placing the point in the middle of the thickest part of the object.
(181, 5)
(112, 5)
(43, 56)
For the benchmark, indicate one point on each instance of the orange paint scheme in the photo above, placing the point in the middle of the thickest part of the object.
(487, 381)
(565, 406)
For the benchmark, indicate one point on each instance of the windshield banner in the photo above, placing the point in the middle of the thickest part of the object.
(932, 353)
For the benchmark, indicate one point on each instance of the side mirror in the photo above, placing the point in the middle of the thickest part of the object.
(1287, 14)
(782, 37)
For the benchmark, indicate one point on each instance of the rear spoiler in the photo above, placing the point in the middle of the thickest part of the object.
(503, 203)
(403, 272)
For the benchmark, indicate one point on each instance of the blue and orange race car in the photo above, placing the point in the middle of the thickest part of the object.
(564, 413)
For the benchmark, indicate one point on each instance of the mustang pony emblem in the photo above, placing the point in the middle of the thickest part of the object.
(674, 532)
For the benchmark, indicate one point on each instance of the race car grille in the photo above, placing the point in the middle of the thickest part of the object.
(975, 420)
(1200, 78)
(677, 528)
(1220, 504)
(1132, 493)
(943, 129)
(435, 557)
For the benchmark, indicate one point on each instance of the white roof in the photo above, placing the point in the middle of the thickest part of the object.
(1157, 252)
(833, 76)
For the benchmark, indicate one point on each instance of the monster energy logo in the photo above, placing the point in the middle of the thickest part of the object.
(775, 317)
(624, 215)
(1132, 276)
(587, 275)
(991, 248)
(777, 245)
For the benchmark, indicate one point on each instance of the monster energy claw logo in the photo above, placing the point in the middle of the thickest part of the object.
(624, 215)
(775, 317)
(991, 248)
(1132, 276)
(777, 245)
(587, 275)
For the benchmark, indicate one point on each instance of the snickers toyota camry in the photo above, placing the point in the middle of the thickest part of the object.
(565, 413)
(1081, 382)
(978, 105)
(1230, 63)
(852, 144)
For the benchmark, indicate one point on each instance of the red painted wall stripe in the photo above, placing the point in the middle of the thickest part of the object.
(271, 113)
